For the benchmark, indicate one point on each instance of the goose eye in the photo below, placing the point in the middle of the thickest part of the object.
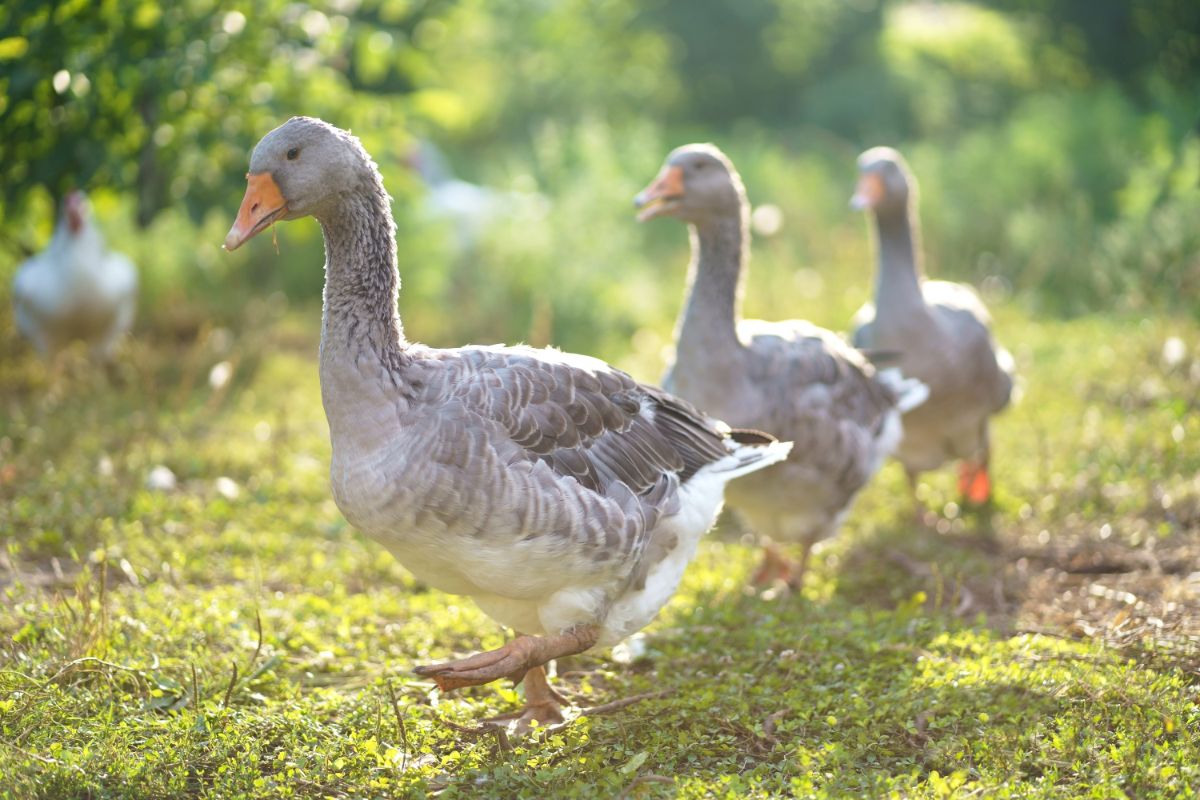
(293, 153)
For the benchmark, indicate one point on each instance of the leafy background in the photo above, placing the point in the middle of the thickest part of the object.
(1055, 140)
(232, 636)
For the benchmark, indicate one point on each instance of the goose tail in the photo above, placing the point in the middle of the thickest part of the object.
(909, 392)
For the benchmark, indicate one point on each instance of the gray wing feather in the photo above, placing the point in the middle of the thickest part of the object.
(627, 446)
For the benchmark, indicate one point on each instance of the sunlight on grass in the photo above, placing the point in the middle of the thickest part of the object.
(233, 636)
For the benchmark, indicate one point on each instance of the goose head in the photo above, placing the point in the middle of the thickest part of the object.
(885, 183)
(300, 169)
(75, 212)
(697, 182)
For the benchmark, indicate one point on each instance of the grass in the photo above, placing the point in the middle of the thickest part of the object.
(234, 637)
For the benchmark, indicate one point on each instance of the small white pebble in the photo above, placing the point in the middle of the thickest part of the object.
(1174, 351)
(630, 650)
(227, 488)
(220, 374)
(161, 479)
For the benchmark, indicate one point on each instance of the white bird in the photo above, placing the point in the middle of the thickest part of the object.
(469, 209)
(939, 331)
(75, 289)
(561, 495)
(789, 378)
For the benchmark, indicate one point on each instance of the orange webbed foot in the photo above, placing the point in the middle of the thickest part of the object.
(974, 484)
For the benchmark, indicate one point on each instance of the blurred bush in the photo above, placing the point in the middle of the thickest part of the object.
(1055, 141)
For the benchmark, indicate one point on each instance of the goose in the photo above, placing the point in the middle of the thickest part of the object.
(561, 495)
(791, 378)
(468, 209)
(940, 331)
(75, 289)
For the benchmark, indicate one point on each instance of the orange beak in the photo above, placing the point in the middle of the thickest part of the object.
(868, 193)
(262, 205)
(662, 196)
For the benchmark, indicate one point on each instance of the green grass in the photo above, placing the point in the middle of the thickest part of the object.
(240, 639)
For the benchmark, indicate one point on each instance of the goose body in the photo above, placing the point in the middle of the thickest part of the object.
(75, 289)
(552, 489)
(939, 331)
(561, 495)
(789, 378)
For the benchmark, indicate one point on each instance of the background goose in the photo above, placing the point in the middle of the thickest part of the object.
(561, 495)
(469, 209)
(940, 331)
(75, 289)
(790, 378)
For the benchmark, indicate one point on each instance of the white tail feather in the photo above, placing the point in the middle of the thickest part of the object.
(910, 392)
(749, 458)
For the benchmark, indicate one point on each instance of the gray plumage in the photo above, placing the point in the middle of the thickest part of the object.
(939, 331)
(545, 485)
(791, 378)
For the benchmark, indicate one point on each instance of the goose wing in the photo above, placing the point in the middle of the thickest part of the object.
(560, 457)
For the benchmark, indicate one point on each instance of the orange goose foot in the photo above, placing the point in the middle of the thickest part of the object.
(777, 566)
(543, 706)
(513, 660)
(974, 484)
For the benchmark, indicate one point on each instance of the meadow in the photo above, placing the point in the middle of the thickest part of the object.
(185, 613)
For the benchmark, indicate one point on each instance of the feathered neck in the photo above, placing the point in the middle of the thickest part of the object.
(365, 360)
(707, 329)
(87, 239)
(898, 271)
(361, 278)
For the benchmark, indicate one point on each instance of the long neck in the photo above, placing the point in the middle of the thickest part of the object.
(361, 279)
(77, 251)
(707, 330)
(363, 349)
(898, 282)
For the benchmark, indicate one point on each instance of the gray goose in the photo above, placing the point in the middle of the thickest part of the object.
(940, 331)
(561, 495)
(790, 378)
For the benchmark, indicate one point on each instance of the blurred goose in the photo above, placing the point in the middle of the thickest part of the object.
(790, 378)
(467, 208)
(561, 495)
(940, 331)
(75, 289)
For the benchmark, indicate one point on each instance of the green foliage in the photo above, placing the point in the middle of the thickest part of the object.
(164, 101)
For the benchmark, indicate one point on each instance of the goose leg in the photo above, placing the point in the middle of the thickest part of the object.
(795, 577)
(543, 705)
(974, 483)
(514, 660)
(775, 564)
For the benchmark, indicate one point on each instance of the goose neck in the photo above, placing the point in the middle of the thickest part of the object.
(361, 279)
(363, 350)
(708, 325)
(898, 280)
